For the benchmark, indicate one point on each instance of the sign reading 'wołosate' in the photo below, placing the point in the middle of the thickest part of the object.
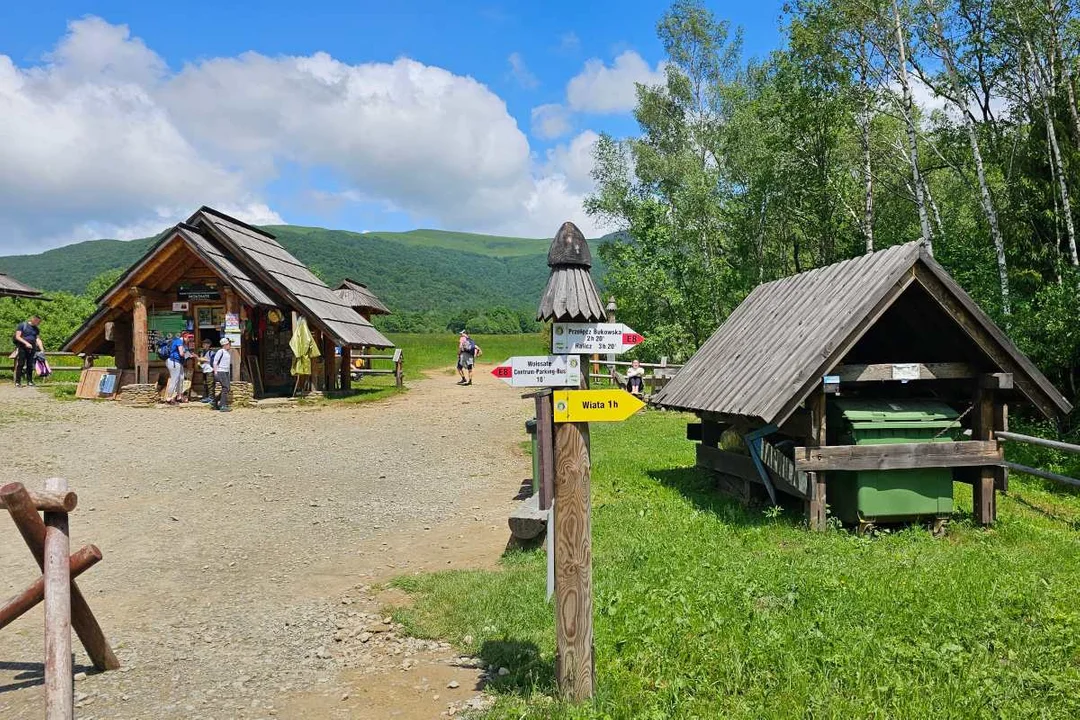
(594, 405)
(585, 338)
(540, 371)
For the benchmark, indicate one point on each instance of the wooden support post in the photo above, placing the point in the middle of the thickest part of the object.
(545, 448)
(22, 603)
(32, 529)
(65, 501)
(573, 562)
(327, 349)
(399, 372)
(816, 507)
(345, 371)
(984, 505)
(140, 336)
(1001, 423)
(59, 677)
(232, 306)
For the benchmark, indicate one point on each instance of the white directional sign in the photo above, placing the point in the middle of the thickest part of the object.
(540, 371)
(587, 338)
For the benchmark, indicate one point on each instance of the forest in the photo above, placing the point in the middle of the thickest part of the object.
(879, 122)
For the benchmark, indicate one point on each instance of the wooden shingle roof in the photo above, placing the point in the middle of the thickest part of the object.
(270, 263)
(10, 287)
(356, 295)
(768, 356)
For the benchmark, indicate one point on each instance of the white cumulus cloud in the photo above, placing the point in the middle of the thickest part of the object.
(550, 121)
(600, 88)
(103, 138)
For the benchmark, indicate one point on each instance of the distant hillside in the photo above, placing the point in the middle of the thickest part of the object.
(418, 270)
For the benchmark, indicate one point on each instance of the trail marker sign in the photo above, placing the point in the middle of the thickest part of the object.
(589, 338)
(540, 371)
(573, 406)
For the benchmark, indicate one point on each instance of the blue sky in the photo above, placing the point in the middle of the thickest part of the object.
(253, 104)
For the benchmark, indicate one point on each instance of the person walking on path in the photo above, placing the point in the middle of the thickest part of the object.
(223, 374)
(468, 351)
(178, 355)
(27, 343)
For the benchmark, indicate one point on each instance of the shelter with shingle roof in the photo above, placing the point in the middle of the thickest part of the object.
(890, 324)
(357, 296)
(215, 276)
(10, 287)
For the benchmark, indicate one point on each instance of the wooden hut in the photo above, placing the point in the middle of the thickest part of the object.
(216, 276)
(887, 326)
(10, 287)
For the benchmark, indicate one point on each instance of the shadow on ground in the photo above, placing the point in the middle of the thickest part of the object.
(530, 672)
(700, 487)
(31, 674)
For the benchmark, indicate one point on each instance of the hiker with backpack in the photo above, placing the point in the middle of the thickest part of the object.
(468, 351)
(27, 343)
(176, 354)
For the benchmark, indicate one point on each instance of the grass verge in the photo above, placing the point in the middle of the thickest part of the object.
(705, 609)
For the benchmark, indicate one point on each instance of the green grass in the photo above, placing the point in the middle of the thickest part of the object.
(704, 609)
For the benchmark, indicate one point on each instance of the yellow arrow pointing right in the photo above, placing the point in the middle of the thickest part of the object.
(594, 405)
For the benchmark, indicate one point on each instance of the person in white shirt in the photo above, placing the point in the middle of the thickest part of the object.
(222, 363)
(635, 378)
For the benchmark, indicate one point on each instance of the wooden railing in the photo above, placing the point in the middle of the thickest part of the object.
(14, 358)
(653, 381)
(1042, 442)
(396, 360)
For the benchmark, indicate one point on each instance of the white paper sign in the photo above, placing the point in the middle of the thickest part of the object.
(540, 371)
(905, 371)
(587, 338)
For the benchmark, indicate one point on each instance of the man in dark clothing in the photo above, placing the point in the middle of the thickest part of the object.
(27, 342)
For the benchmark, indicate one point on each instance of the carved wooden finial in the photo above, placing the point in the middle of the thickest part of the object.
(569, 248)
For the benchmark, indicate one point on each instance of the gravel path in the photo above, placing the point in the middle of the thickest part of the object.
(241, 549)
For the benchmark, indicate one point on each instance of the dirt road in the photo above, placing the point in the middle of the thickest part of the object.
(241, 550)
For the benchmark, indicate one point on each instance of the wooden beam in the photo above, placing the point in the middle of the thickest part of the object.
(345, 371)
(545, 448)
(900, 456)
(64, 501)
(728, 463)
(25, 601)
(59, 677)
(882, 372)
(1001, 424)
(996, 381)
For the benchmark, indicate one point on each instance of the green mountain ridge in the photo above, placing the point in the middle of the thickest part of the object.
(419, 270)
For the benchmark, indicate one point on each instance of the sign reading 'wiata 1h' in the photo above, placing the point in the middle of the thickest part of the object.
(540, 371)
(586, 338)
(594, 405)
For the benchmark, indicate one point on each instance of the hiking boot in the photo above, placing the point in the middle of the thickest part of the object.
(31, 384)
(469, 382)
(19, 385)
(225, 408)
(462, 381)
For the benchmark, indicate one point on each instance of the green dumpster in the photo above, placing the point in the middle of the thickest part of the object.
(869, 496)
(530, 427)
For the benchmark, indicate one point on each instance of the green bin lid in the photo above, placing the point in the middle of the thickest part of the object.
(866, 413)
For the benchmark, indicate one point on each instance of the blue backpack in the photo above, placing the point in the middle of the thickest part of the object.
(164, 349)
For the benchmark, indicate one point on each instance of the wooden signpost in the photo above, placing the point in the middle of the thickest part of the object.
(570, 300)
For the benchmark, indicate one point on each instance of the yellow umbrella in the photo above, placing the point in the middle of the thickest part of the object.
(303, 347)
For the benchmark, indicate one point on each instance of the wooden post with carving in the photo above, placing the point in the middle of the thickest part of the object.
(571, 296)
(59, 688)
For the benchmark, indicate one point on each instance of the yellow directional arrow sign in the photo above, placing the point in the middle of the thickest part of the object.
(594, 405)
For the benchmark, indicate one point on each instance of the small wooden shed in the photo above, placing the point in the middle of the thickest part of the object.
(215, 276)
(10, 287)
(891, 324)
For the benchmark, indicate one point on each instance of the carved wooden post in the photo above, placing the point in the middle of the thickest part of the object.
(232, 305)
(571, 296)
(984, 502)
(140, 337)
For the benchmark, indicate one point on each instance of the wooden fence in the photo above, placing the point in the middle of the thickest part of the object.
(396, 362)
(1042, 442)
(653, 381)
(14, 358)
